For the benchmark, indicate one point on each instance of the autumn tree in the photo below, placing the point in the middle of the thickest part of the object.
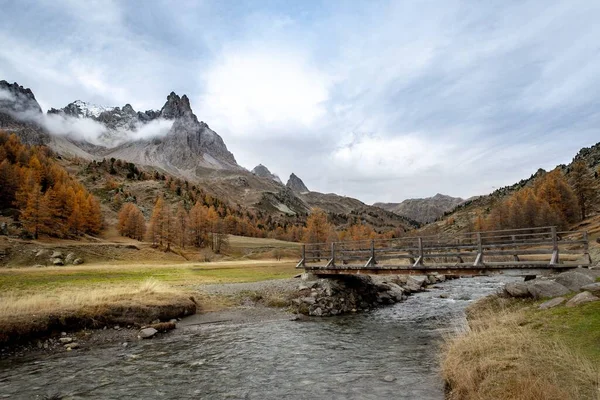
(35, 215)
(131, 222)
(584, 186)
(181, 225)
(198, 225)
(556, 191)
(157, 222)
(317, 227)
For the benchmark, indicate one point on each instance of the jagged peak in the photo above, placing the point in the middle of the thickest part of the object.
(296, 184)
(177, 107)
(16, 98)
(263, 172)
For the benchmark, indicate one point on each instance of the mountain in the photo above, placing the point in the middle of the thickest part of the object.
(263, 172)
(423, 210)
(173, 141)
(296, 185)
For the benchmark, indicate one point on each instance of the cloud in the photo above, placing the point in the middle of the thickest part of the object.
(379, 100)
(86, 129)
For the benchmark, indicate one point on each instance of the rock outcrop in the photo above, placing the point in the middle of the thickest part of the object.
(296, 184)
(354, 293)
(263, 172)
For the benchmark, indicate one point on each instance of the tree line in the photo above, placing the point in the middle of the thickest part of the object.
(554, 199)
(47, 199)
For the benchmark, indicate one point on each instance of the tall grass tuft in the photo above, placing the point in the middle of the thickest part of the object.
(498, 356)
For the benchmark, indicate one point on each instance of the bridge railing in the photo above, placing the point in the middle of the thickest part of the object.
(541, 246)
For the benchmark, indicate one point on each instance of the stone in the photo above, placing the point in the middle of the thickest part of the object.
(317, 312)
(541, 289)
(64, 340)
(56, 254)
(418, 280)
(573, 280)
(147, 333)
(552, 303)
(71, 346)
(593, 288)
(388, 378)
(444, 296)
(592, 273)
(308, 300)
(582, 298)
(517, 289)
(70, 258)
(302, 287)
(57, 261)
(42, 254)
(78, 261)
(307, 276)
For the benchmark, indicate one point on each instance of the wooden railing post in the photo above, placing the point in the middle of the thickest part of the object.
(373, 251)
(586, 247)
(304, 255)
(332, 253)
(555, 258)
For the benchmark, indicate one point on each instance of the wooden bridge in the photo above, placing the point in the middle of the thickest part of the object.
(525, 252)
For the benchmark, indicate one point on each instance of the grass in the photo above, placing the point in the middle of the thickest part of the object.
(512, 350)
(36, 301)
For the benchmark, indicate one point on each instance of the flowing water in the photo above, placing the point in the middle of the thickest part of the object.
(389, 353)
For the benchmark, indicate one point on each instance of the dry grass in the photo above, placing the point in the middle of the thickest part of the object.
(25, 316)
(499, 356)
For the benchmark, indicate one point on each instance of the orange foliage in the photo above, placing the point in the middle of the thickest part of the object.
(50, 200)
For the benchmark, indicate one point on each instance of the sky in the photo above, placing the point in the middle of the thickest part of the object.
(378, 100)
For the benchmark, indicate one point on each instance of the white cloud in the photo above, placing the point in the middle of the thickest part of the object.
(249, 90)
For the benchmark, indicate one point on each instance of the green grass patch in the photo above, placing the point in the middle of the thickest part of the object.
(578, 327)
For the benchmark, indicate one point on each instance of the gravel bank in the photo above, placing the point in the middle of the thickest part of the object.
(275, 286)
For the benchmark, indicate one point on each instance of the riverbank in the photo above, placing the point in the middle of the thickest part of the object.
(513, 350)
(40, 303)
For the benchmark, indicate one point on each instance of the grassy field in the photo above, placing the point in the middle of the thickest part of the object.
(512, 350)
(35, 301)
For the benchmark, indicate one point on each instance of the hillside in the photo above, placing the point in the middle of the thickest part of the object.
(173, 142)
(423, 210)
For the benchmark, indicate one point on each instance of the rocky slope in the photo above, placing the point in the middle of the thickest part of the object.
(423, 210)
(263, 172)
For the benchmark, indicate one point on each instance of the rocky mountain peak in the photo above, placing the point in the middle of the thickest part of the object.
(16, 98)
(176, 107)
(296, 184)
(263, 172)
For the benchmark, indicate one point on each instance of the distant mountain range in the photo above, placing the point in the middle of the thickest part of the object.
(423, 210)
(173, 140)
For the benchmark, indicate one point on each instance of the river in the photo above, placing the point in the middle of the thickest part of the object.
(389, 353)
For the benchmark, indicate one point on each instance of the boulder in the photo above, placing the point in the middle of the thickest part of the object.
(64, 340)
(552, 303)
(582, 298)
(541, 289)
(78, 261)
(57, 261)
(592, 273)
(70, 258)
(56, 254)
(573, 280)
(147, 333)
(43, 253)
(307, 276)
(517, 289)
(593, 288)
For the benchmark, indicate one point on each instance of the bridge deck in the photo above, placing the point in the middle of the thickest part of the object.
(531, 251)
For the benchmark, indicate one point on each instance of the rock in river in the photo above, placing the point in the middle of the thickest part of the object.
(147, 333)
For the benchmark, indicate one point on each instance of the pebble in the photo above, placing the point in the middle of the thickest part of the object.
(389, 378)
(64, 340)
